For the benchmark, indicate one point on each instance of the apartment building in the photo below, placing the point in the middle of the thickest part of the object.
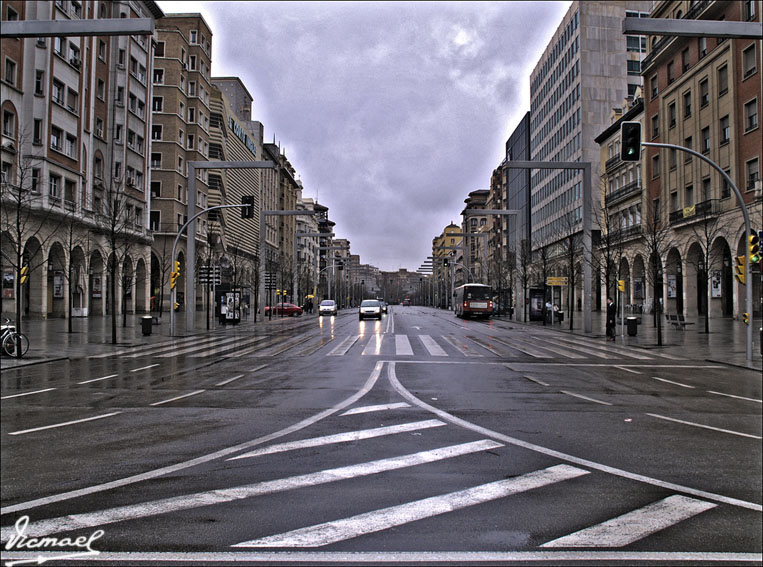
(475, 268)
(180, 108)
(703, 93)
(447, 255)
(75, 163)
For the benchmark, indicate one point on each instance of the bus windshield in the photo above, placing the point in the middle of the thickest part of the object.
(476, 293)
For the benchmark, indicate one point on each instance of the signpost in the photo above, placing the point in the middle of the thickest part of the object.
(561, 281)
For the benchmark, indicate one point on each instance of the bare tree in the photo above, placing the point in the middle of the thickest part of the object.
(543, 268)
(571, 252)
(611, 247)
(656, 242)
(525, 272)
(706, 232)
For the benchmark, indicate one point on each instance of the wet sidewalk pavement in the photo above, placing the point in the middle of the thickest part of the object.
(50, 340)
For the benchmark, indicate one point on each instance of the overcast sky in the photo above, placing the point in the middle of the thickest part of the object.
(391, 113)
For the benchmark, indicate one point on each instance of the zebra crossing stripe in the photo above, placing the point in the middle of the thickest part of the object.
(342, 348)
(432, 347)
(368, 409)
(403, 346)
(224, 495)
(341, 438)
(635, 525)
(461, 347)
(374, 345)
(630, 353)
(379, 520)
(516, 345)
(170, 347)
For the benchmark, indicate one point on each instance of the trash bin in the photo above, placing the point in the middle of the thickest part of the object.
(145, 324)
(632, 323)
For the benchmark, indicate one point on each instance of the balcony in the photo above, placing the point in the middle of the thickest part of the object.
(704, 210)
(633, 188)
(612, 163)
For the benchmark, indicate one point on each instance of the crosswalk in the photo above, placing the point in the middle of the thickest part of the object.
(352, 518)
(525, 346)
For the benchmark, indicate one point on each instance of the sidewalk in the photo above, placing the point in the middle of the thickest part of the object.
(726, 342)
(50, 340)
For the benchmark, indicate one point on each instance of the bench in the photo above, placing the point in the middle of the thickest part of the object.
(677, 321)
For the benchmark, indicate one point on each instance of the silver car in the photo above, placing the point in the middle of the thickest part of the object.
(370, 308)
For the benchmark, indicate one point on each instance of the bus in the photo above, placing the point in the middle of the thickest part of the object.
(473, 299)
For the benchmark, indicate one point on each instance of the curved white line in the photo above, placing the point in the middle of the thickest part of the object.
(199, 460)
(445, 416)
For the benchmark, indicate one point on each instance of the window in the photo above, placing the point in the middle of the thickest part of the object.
(156, 188)
(59, 45)
(99, 127)
(685, 60)
(706, 189)
(704, 93)
(725, 129)
(100, 89)
(157, 104)
(705, 139)
(191, 115)
(118, 170)
(689, 196)
(72, 100)
(192, 88)
(672, 115)
(37, 133)
(39, 82)
(101, 50)
(190, 142)
(159, 51)
(54, 185)
(688, 144)
(655, 126)
(751, 115)
(192, 62)
(56, 138)
(748, 10)
(687, 104)
(723, 80)
(156, 131)
(158, 76)
(9, 124)
(58, 92)
(702, 46)
(653, 86)
(673, 158)
(748, 61)
(726, 188)
(671, 72)
(655, 166)
(118, 133)
(70, 148)
(674, 201)
(634, 68)
(753, 173)
(36, 180)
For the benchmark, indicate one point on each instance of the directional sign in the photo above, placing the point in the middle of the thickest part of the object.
(557, 280)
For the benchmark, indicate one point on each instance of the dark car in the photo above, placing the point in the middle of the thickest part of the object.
(285, 309)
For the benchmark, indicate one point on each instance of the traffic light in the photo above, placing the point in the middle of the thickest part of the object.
(741, 269)
(24, 273)
(621, 285)
(176, 306)
(754, 248)
(630, 141)
(175, 274)
(746, 318)
(445, 262)
(247, 212)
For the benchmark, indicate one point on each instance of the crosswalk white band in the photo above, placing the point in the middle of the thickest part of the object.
(341, 438)
(432, 347)
(223, 495)
(403, 346)
(378, 520)
(635, 525)
(342, 348)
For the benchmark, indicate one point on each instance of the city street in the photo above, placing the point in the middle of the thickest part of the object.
(420, 438)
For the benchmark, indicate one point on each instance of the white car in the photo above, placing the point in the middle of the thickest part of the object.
(370, 308)
(327, 307)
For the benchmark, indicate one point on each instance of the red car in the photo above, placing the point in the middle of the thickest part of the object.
(285, 309)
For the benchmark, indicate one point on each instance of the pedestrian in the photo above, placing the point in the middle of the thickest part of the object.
(611, 314)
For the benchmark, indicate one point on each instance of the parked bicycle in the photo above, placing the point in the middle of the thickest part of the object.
(10, 340)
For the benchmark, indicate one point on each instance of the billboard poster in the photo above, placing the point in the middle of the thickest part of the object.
(8, 282)
(58, 284)
(715, 284)
(671, 286)
(97, 284)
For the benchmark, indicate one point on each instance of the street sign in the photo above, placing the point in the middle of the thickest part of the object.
(557, 280)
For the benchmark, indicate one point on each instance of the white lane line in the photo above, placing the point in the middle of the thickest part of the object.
(599, 557)
(379, 520)
(144, 367)
(373, 348)
(341, 438)
(635, 525)
(224, 495)
(224, 452)
(671, 382)
(229, 380)
(403, 346)
(460, 346)
(64, 424)
(736, 397)
(177, 398)
(535, 353)
(536, 380)
(432, 347)
(368, 409)
(585, 398)
(28, 394)
(445, 416)
(98, 379)
(627, 369)
(342, 348)
(705, 426)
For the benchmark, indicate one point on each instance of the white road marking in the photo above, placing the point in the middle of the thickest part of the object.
(144, 368)
(374, 345)
(241, 348)
(461, 347)
(403, 346)
(705, 426)
(156, 350)
(516, 345)
(445, 416)
(29, 394)
(563, 350)
(600, 347)
(672, 382)
(432, 347)
(98, 379)
(367, 409)
(486, 345)
(229, 380)
(156, 347)
(64, 424)
(585, 398)
(635, 525)
(737, 397)
(379, 520)
(223, 495)
(177, 398)
(536, 380)
(171, 469)
(627, 369)
(341, 438)
(342, 348)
